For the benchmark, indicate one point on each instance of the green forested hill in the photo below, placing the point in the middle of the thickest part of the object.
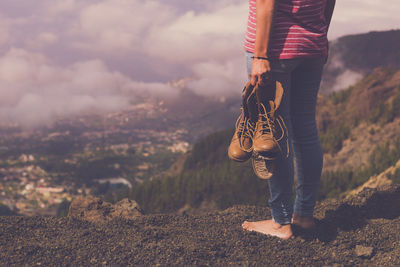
(373, 102)
(370, 50)
(375, 99)
(208, 175)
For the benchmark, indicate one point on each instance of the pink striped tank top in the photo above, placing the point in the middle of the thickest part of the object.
(299, 29)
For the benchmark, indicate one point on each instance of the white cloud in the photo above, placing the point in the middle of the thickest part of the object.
(47, 38)
(216, 79)
(33, 90)
(98, 54)
(194, 40)
(42, 40)
(117, 24)
(346, 79)
(200, 37)
(360, 16)
(19, 66)
(58, 7)
(4, 34)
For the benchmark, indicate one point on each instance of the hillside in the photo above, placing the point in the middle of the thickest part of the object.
(360, 131)
(353, 56)
(361, 231)
(370, 50)
(360, 134)
(208, 180)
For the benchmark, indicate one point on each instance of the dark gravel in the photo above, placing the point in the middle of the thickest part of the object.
(371, 220)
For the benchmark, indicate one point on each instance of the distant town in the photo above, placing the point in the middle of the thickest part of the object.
(35, 165)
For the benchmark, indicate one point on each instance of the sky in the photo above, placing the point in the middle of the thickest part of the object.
(64, 57)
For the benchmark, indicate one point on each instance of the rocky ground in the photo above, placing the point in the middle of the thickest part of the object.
(361, 231)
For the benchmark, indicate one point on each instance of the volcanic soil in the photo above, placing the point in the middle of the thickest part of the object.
(361, 231)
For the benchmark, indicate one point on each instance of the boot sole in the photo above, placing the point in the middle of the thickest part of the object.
(268, 155)
(239, 160)
(263, 168)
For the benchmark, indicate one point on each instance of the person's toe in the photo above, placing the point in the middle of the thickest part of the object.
(246, 225)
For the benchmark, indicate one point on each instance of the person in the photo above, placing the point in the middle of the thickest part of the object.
(286, 41)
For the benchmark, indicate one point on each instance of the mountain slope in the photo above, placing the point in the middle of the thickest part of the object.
(361, 231)
(360, 135)
(208, 177)
(353, 56)
(354, 121)
(360, 131)
(370, 50)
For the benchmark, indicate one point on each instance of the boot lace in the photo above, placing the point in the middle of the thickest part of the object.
(268, 121)
(245, 129)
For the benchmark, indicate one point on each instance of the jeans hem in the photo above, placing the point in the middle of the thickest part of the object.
(304, 214)
(283, 221)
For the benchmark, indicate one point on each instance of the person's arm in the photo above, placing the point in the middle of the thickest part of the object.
(264, 15)
(330, 6)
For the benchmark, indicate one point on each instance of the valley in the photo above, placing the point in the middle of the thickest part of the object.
(170, 155)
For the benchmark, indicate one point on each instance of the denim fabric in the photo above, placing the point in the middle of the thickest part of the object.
(300, 79)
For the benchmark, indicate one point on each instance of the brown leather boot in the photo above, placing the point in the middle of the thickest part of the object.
(241, 146)
(264, 141)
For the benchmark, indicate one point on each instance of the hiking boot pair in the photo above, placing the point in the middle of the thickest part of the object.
(255, 128)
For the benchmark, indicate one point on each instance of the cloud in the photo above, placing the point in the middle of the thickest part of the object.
(46, 38)
(360, 16)
(42, 41)
(209, 44)
(60, 7)
(346, 79)
(219, 79)
(63, 57)
(34, 91)
(198, 37)
(4, 34)
(117, 24)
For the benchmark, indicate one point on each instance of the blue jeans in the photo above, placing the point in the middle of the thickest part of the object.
(300, 79)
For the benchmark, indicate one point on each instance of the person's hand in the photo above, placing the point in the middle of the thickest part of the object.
(260, 71)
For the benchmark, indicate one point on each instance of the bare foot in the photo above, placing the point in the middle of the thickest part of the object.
(304, 222)
(269, 227)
